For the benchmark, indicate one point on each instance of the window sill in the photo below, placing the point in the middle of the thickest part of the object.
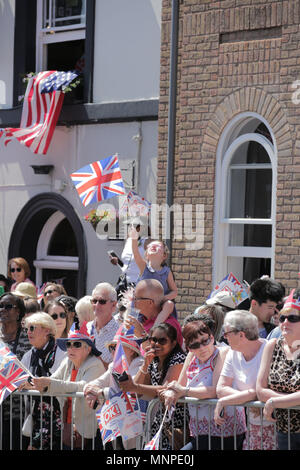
(91, 113)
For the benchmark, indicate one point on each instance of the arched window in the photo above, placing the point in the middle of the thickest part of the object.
(245, 199)
(57, 254)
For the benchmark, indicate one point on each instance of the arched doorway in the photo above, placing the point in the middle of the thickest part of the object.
(49, 234)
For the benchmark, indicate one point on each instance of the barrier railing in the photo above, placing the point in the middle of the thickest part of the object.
(155, 406)
(12, 417)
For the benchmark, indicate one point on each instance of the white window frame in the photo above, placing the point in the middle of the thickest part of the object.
(228, 144)
(45, 36)
(45, 261)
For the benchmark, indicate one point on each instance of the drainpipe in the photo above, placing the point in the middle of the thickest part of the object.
(172, 120)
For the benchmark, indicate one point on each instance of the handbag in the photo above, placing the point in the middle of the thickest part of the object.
(27, 426)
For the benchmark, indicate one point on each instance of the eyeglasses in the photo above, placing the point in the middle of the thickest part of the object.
(50, 291)
(12, 270)
(61, 315)
(135, 299)
(161, 341)
(290, 318)
(100, 301)
(74, 344)
(226, 333)
(31, 328)
(199, 344)
(7, 306)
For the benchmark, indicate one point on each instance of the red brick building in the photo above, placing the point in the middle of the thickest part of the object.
(237, 148)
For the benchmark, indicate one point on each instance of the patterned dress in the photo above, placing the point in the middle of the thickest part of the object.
(178, 414)
(284, 377)
(202, 416)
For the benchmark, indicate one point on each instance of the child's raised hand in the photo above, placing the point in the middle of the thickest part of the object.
(132, 233)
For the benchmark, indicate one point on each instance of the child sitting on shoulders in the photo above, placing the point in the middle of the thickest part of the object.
(154, 266)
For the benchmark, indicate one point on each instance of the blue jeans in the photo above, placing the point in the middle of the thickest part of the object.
(283, 439)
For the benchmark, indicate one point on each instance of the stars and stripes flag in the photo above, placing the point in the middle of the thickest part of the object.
(99, 180)
(41, 108)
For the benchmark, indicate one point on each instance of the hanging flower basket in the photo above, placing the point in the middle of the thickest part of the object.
(102, 217)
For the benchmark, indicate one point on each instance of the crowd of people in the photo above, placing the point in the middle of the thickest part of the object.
(233, 353)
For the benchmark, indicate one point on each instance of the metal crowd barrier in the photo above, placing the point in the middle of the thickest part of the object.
(154, 407)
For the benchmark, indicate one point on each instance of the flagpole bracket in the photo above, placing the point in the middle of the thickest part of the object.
(42, 169)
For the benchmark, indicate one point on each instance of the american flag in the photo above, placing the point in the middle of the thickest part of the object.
(99, 180)
(41, 108)
(11, 377)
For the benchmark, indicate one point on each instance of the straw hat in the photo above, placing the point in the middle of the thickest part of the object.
(25, 289)
(222, 298)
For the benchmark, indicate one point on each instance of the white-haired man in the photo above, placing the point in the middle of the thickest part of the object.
(104, 326)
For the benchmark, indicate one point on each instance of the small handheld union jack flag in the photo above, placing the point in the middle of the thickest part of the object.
(11, 377)
(99, 180)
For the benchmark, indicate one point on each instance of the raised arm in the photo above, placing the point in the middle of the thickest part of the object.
(140, 262)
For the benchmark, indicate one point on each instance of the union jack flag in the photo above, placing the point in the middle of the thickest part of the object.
(99, 180)
(153, 444)
(6, 356)
(41, 108)
(11, 377)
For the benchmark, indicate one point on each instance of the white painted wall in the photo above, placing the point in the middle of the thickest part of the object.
(72, 148)
(127, 50)
(7, 21)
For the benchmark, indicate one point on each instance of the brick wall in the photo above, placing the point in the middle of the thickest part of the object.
(234, 56)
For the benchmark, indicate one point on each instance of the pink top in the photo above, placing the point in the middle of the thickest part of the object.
(148, 324)
(14, 285)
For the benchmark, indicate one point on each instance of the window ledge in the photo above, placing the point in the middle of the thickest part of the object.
(90, 113)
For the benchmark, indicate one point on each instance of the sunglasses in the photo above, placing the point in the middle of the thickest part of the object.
(12, 270)
(226, 333)
(100, 301)
(7, 306)
(112, 347)
(290, 318)
(199, 344)
(31, 328)
(50, 291)
(55, 316)
(161, 341)
(74, 344)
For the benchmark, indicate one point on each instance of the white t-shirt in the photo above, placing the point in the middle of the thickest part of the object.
(244, 373)
(130, 267)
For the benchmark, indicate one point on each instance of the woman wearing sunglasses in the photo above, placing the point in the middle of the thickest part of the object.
(278, 382)
(200, 381)
(42, 360)
(18, 271)
(58, 312)
(12, 312)
(163, 362)
(82, 365)
(237, 382)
